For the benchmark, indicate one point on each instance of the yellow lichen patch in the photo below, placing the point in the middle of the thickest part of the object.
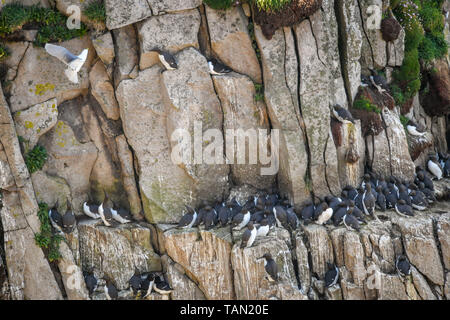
(37, 114)
(29, 124)
(43, 88)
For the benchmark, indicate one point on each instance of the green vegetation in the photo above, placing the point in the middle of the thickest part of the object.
(251, 31)
(52, 24)
(3, 52)
(95, 11)
(45, 239)
(36, 158)
(364, 104)
(259, 95)
(219, 4)
(271, 5)
(424, 41)
(404, 120)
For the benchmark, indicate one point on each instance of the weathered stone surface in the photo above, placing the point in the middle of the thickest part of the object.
(41, 77)
(128, 177)
(421, 285)
(314, 101)
(115, 252)
(205, 256)
(103, 91)
(16, 52)
(126, 50)
(396, 50)
(165, 187)
(70, 160)
(66, 8)
(36, 121)
(50, 189)
(284, 114)
(241, 112)
(120, 13)
(443, 231)
(321, 249)
(176, 32)
(447, 286)
(354, 258)
(420, 246)
(192, 105)
(392, 288)
(104, 46)
(230, 41)
(42, 3)
(301, 252)
(250, 281)
(161, 7)
(184, 288)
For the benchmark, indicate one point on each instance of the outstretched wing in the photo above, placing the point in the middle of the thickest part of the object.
(71, 75)
(61, 53)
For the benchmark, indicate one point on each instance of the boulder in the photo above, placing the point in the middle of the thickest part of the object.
(231, 42)
(241, 112)
(176, 32)
(40, 76)
(103, 91)
(161, 7)
(126, 49)
(50, 189)
(35, 121)
(116, 251)
(320, 247)
(443, 232)
(104, 46)
(120, 13)
(164, 187)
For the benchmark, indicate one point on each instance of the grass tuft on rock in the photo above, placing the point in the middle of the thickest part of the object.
(51, 24)
(219, 4)
(365, 104)
(36, 158)
(45, 238)
(95, 12)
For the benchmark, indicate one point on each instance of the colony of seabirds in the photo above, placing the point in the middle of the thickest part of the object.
(260, 214)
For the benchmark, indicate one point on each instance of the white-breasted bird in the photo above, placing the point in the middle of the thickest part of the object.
(166, 59)
(73, 62)
(218, 69)
(434, 167)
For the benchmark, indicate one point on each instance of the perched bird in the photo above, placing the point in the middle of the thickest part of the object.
(73, 62)
(307, 212)
(352, 193)
(382, 183)
(258, 216)
(434, 167)
(55, 218)
(91, 210)
(391, 197)
(68, 220)
(381, 199)
(187, 221)
(210, 218)
(105, 210)
(271, 267)
(91, 281)
(368, 201)
(378, 81)
(325, 215)
(359, 199)
(263, 228)
(224, 215)
(292, 219)
(162, 286)
(135, 282)
(365, 81)
(110, 290)
(350, 221)
(240, 220)
(418, 200)
(423, 177)
(357, 213)
(429, 194)
(249, 236)
(147, 284)
(200, 216)
(166, 59)
(403, 209)
(446, 165)
(217, 68)
(280, 216)
(332, 275)
(121, 215)
(403, 194)
(333, 202)
(339, 214)
(412, 129)
(342, 114)
(403, 266)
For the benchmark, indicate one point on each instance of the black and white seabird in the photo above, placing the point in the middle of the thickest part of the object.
(162, 286)
(359, 199)
(403, 194)
(91, 282)
(55, 218)
(135, 282)
(412, 129)
(434, 167)
(368, 201)
(325, 215)
(280, 216)
(391, 197)
(121, 215)
(332, 275)
(378, 81)
(429, 194)
(423, 177)
(350, 221)
(381, 199)
(357, 213)
(352, 193)
(91, 210)
(210, 218)
(217, 68)
(403, 209)
(68, 220)
(292, 219)
(403, 266)
(187, 221)
(225, 215)
(241, 219)
(365, 81)
(271, 267)
(263, 228)
(110, 290)
(418, 200)
(307, 212)
(147, 284)
(342, 114)
(166, 59)
(339, 214)
(105, 211)
(249, 236)
(333, 202)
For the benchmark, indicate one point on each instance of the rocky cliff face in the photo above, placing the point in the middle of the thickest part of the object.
(113, 132)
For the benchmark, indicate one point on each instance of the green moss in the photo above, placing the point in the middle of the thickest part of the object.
(404, 120)
(36, 158)
(51, 23)
(45, 239)
(365, 104)
(432, 18)
(259, 92)
(271, 5)
(219, 4)
(95, 11)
